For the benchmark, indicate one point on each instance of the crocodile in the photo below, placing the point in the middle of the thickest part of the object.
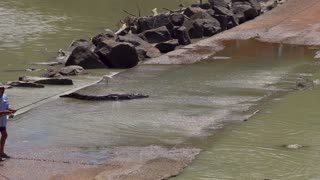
(109, 97)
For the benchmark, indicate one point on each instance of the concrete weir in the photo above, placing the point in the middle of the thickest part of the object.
(294, 22)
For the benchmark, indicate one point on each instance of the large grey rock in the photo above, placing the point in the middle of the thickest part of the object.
(51, 73)
(71, 70)
(157, 35)
(109, 97)
(177, 19)
(182, 35)
(194, 29)
(202, 5)
(210, 26)
(254, 3)
(190, 11)
(244, 11)
(167, 46)
(216, 3)
(84, 57)
(144, 49)
(81, 43)
(109, 35)
(201, 15)
(225, 16)
(118, 54)
(223, 11)
(147, 23)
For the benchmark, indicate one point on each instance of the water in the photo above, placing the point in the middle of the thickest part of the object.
(188, 105)
(34, 30)
(185, 101)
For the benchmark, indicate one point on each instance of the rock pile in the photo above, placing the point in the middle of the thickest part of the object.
(146, 37)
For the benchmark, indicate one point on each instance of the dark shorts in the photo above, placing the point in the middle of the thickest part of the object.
(3, 129)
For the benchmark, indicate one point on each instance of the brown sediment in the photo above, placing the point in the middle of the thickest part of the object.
(294, 22)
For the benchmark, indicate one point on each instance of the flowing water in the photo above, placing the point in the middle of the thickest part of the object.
(188, 105)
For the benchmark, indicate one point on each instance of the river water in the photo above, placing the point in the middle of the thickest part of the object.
(203, 105)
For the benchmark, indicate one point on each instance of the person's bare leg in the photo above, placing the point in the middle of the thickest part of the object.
(4, 136)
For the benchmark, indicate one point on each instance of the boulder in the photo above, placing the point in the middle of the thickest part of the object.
(177, 19)
(71, 70)
(55, 81)
(118, 54)
(194, 29)
(49, 81)
(201, 15)
(167, 46)
(157, 35)
(244, 11)
(144, 49)
(81, 43)
(216, 3)
(210, 26)
(223, 11)
(182, 35)
(225, 16)
(84, 57)
(109, 97)
(25, 84)
(147, 23)
(52, 74)
(202, 5)
(254, 3)
(109, 35)
(190, 11)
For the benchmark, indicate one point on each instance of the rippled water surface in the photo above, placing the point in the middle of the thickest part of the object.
(34, 30)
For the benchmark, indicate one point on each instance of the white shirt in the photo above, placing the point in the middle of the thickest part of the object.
(4, 105)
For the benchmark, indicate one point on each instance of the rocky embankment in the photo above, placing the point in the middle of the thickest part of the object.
(142, 38)
(147, 37)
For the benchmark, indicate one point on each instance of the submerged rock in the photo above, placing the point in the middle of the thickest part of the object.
(48, 81)
(294, 146)
(25, 84)
(109, 97)
(71, 70)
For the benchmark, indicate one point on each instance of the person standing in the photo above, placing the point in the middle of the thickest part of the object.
(5, 111)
